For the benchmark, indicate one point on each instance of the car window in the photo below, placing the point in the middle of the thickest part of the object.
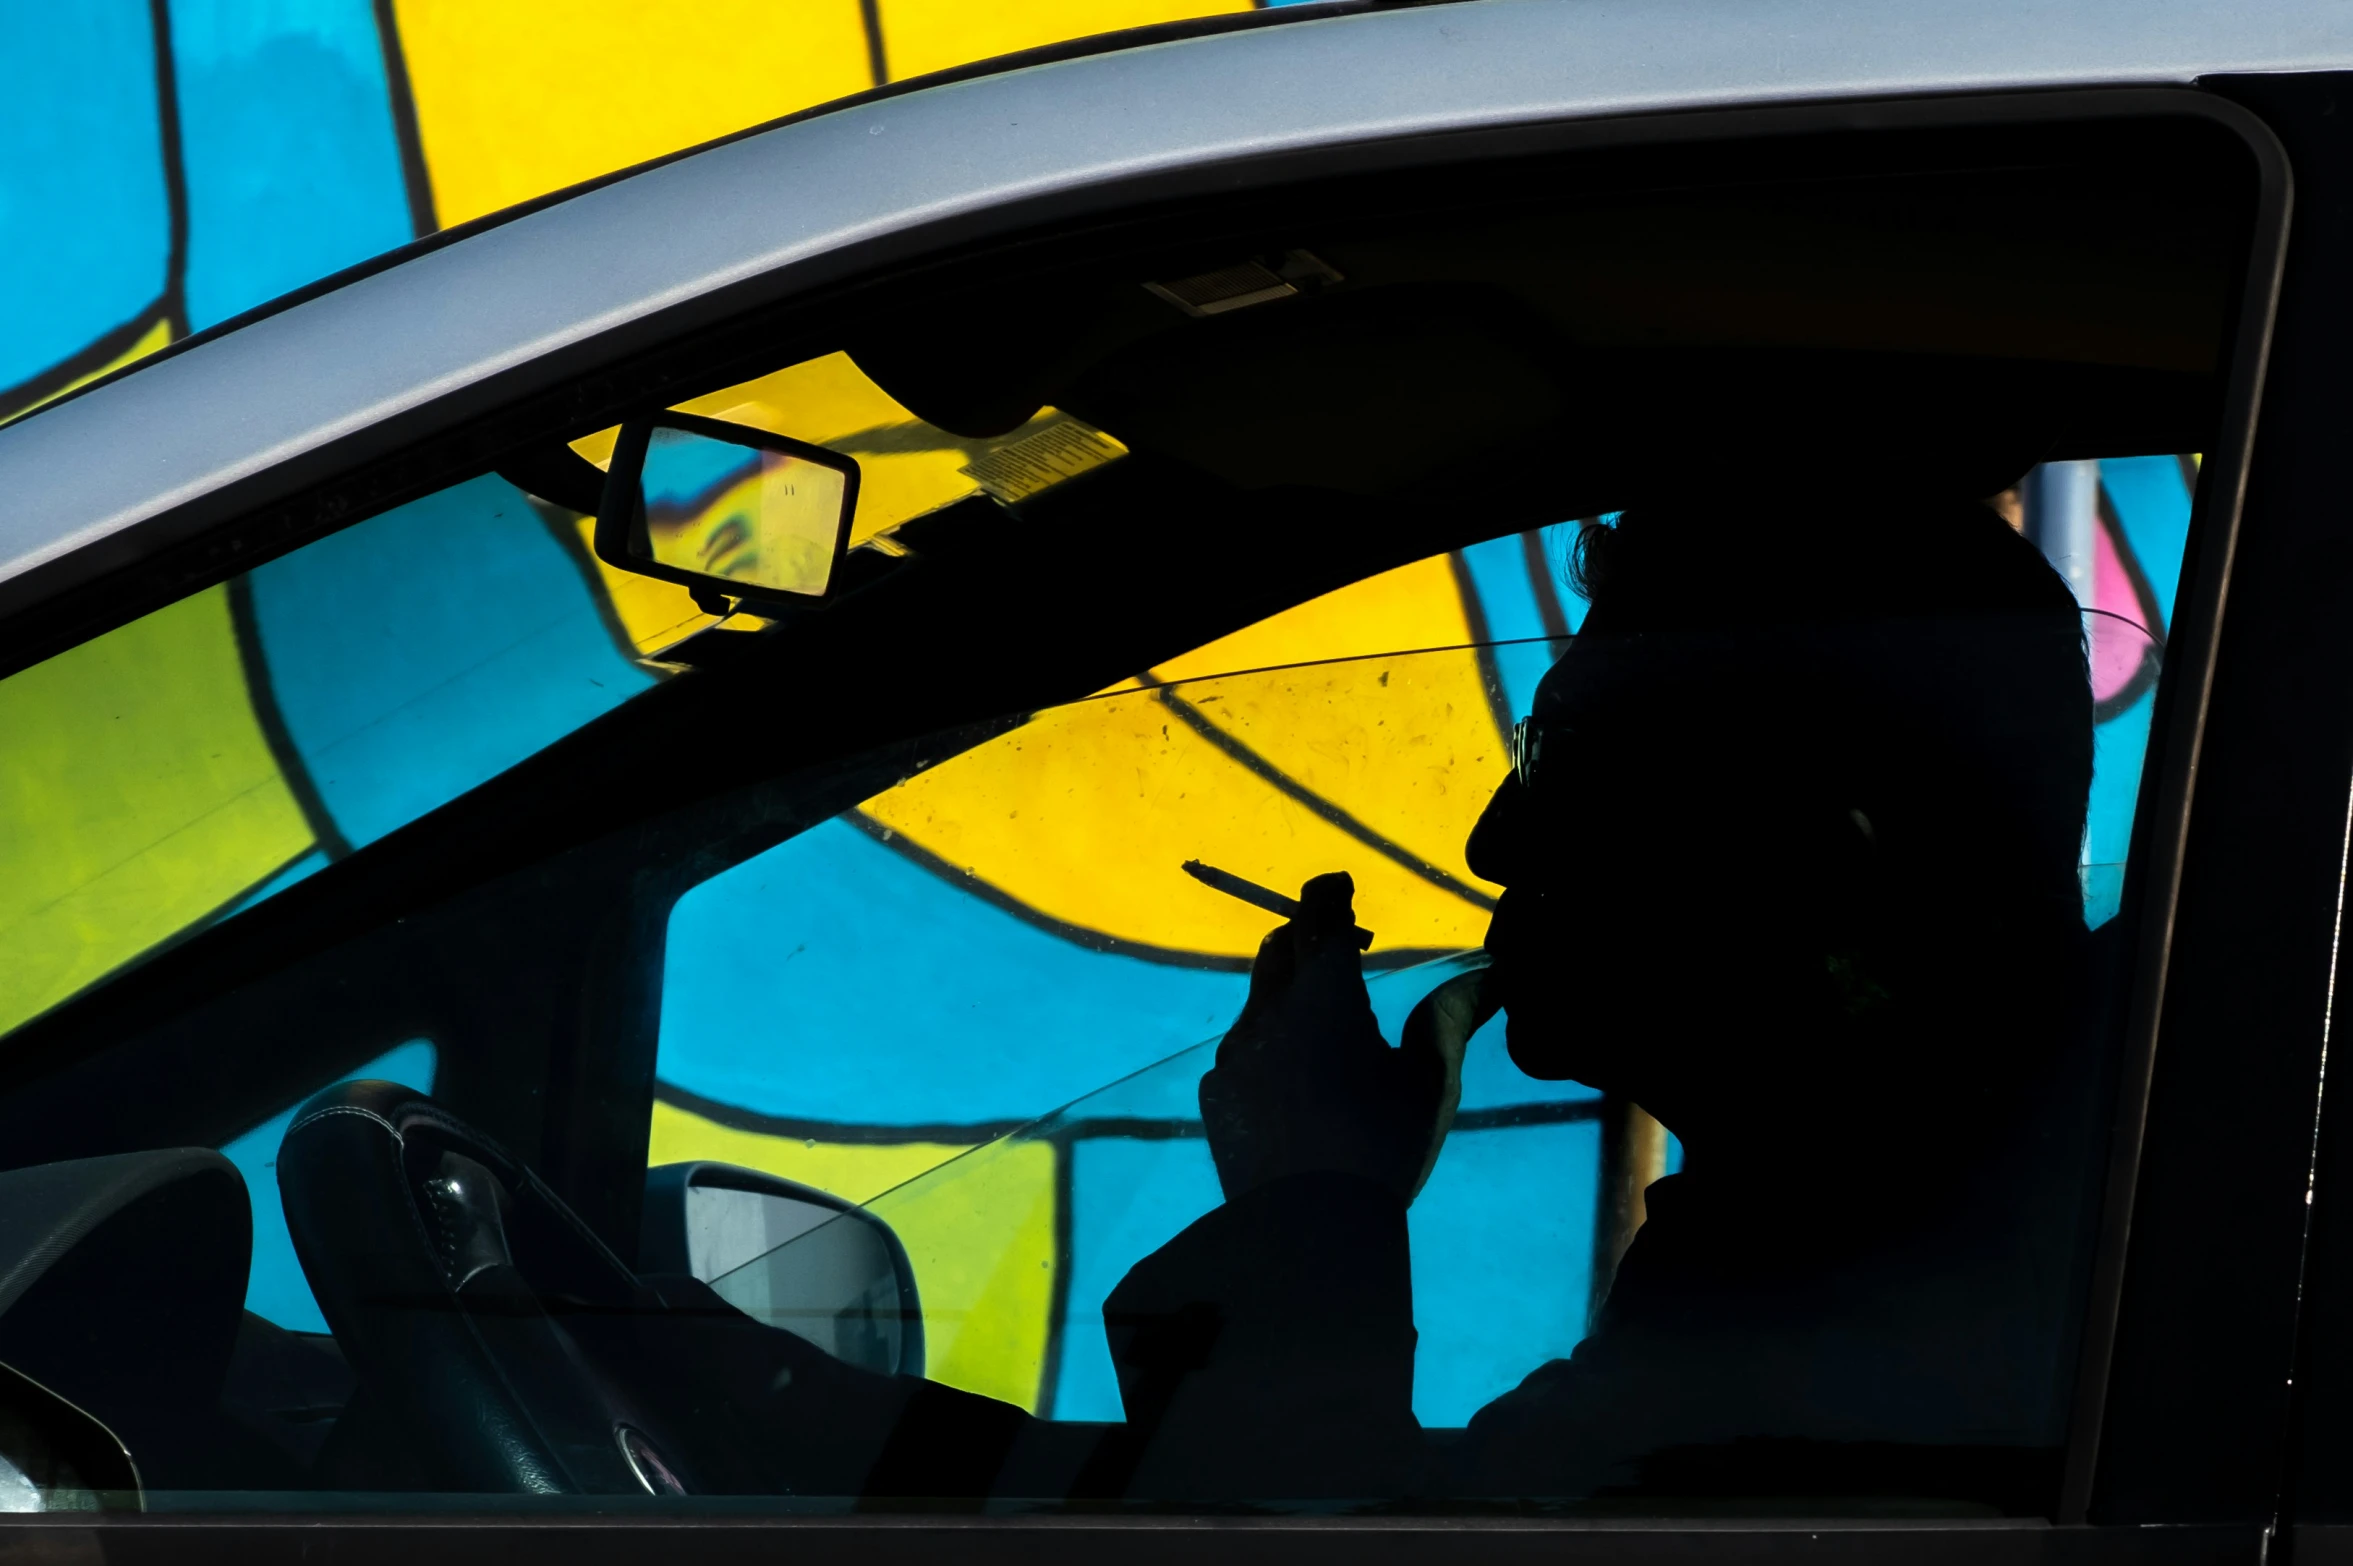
(997, 900)
(1714, 623)
(171, 773)
(1021, 905)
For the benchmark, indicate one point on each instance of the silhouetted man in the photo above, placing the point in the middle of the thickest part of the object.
(1790, 856)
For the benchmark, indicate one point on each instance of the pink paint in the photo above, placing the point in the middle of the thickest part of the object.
(2118, 644)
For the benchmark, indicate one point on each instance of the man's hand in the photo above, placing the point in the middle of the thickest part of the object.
(1304, 1081)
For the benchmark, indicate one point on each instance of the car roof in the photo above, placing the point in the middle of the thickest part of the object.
(396, 355)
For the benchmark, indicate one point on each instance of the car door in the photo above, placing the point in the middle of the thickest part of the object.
(517, 818)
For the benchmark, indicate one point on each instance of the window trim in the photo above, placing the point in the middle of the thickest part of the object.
(2161, 826)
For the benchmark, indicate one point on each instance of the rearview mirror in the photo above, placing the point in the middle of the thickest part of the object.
(726, 510)
(789, 1256)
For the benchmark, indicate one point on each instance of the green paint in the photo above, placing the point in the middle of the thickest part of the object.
(137, 796)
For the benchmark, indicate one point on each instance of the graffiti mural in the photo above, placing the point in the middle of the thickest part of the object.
(168, 164)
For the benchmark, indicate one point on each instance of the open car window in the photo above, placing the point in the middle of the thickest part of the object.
(1711, 604)
(987, 933)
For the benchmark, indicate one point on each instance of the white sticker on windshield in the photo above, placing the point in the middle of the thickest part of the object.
(1038, 461)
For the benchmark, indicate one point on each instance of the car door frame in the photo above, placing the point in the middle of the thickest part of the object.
(2182, 966)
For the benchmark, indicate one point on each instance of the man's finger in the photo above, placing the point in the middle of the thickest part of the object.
(1275, 967)
(1327, 913)
(1272, 973)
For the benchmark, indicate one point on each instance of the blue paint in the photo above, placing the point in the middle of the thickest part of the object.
(424, 651)
(2153, 506)
(83, 198)
(1499, 572)
(1502, 1256)
(680, 466)
(830, 978)
(2119, 749)
(1128, 1198)
(1491, 1081)
(275, 1287)
(292, 166)
(1502, 1261)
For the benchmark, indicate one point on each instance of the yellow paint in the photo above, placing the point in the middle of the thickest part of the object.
(138, 796)
(905, 466)
(1086, 812)
(655, 613)
(818, 400)
(854, 1171)
(1416, 605)
(980, 1232)
(1408, 746)
(515, 98)
(931, 35)
(158, 333)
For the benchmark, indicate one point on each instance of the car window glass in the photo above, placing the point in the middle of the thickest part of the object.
(1736, 799)
(998, 899)
(170, 773)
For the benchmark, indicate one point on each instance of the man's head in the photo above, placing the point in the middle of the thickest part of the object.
(1806, 795)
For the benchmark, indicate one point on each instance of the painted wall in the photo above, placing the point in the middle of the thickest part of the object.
(166, 164)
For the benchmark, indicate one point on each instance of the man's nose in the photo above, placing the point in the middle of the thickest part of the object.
(1497, 845)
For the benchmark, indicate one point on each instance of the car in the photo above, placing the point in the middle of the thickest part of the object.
(597, 810)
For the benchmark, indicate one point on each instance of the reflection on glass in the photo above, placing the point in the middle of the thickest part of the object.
(1080, 817)
(1138, 1205)
(768, 519)
(2125, 659)
(820, 1274)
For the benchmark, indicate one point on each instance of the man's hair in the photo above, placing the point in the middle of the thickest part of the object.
(1916, 653)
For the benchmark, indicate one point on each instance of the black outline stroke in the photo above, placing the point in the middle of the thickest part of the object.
(1315, 804)
(1080, 935)
(91, 358)
(1474, 614)
(415, 178)
(878, 63)
(979, 1133)
(563, 524)
(1549, 609)
(328, 838)
(170, 306)
(175, 180)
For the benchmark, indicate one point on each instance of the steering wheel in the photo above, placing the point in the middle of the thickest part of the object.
(500, 1345)
(478, 1312)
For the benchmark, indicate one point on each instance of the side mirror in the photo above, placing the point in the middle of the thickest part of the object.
(56, 1458)
(789, 1256)
(726, 510)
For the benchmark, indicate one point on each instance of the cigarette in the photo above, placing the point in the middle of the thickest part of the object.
(1255, 895)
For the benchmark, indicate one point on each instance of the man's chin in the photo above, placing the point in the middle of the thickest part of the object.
(1538, 1043)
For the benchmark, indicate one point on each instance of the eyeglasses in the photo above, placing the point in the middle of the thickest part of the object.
(1527, 749)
